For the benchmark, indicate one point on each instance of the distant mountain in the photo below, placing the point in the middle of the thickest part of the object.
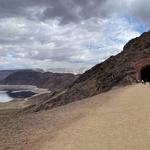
(67, 70)
(5, 73)
(127, 67)
(52, 81)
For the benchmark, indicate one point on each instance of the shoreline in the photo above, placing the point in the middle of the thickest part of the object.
(22, 91)
(22, 88)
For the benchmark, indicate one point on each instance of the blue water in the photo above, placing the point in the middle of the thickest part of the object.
(4, 97)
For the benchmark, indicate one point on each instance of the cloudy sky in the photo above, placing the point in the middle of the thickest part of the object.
(67, 33)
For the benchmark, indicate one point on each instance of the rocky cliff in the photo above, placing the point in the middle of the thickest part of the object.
(120, 70)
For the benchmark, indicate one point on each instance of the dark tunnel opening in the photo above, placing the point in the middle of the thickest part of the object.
(145, 74)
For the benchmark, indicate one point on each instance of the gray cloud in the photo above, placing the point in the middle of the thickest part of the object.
(66, 10)
(140, 9)
(72, 10)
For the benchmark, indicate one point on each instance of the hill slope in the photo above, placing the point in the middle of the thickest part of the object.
(118, 70)
(116, 120)
(120, 124)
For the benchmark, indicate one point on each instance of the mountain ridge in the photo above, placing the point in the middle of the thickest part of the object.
(52, 81)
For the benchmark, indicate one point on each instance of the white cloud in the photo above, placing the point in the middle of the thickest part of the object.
(49, 44)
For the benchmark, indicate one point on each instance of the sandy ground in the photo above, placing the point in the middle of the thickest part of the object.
(116, 120)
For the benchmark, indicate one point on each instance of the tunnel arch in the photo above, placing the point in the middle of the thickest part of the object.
(145, 73)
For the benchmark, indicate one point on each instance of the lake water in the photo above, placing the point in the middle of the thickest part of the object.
(4, 97)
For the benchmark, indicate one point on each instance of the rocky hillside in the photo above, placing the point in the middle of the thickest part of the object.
(52, 81)
(119, 70)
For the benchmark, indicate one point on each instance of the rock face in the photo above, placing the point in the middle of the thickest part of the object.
(120, 70)
(52, 81)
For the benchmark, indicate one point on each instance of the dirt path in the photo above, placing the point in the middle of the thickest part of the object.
(117, 120)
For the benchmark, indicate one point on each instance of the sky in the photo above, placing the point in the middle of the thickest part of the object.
(67, 33)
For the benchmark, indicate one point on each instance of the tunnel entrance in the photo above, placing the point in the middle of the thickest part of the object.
(145, 73)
